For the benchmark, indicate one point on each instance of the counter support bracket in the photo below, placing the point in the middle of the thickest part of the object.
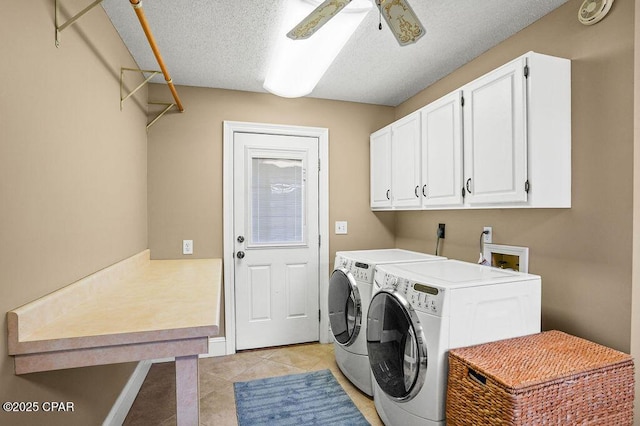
(187, 392)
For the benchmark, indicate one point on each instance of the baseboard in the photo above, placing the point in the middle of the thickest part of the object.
(217, 347)
(124, 402)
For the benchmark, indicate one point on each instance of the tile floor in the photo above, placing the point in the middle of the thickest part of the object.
(155, 403)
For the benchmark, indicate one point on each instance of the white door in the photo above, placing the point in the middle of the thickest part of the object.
(495, 140)
(405, 161)
(442, 152)
(276, 239)
(380, 147)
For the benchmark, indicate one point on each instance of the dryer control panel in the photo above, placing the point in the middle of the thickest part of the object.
(430, 299)
(361, 271)
(422, 297)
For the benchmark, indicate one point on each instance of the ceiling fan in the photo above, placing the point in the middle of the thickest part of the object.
(402, 21)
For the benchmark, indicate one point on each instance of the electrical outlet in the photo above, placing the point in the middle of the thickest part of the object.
(440, 233)
(341, 227)
(187, 246)
(488, 237)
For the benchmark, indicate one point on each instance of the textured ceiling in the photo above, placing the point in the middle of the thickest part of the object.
(226, 44)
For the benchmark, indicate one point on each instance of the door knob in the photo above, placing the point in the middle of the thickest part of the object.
(240, 239)
(240, 255)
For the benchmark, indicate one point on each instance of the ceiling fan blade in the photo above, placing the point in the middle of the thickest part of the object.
(402, 20)
(316, 19)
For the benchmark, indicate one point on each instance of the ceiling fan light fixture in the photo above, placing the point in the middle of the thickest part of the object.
(296, 66)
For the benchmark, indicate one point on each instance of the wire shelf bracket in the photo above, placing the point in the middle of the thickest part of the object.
(124, 95)
(72, 20)
(168, 106)
(147, 74)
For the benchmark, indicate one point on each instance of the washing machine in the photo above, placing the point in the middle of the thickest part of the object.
(349, 296)
(421, 310)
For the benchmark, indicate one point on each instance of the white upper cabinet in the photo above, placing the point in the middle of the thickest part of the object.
(495, 136)
(405, 162)
(395, 165)
(505, 144)
(442, 152)
(517, 134)
(548, 131)
(380, 152)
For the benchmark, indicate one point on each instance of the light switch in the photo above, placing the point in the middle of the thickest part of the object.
(341, 227)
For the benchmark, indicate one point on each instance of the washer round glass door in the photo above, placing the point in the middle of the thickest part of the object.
(396, 346)
(345, 307)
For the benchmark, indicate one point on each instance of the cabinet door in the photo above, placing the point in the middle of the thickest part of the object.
(442, 152)
(405, 161)
(495, 142)
(380, 173)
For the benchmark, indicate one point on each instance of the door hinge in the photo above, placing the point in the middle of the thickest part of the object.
(526, 71)
(318, 164)
(463, 192)
(319, 240)
(319, 316)
(462, 101)
(526, 186)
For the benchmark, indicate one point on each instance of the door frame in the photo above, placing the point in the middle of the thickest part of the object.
(229, 129)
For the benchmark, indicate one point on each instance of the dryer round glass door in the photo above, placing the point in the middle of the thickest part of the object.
(396, 346)
(345, 307)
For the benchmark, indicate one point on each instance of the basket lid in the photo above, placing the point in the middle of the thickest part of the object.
(538, 358)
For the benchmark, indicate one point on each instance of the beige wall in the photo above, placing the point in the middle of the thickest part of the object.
(185, 166)
(72, 184)
(584, 253)
(73, 179)
(635, 303)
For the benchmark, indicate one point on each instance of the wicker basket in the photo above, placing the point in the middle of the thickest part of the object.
(550, 378)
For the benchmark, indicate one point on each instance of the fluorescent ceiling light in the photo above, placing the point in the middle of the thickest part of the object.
(296, 66)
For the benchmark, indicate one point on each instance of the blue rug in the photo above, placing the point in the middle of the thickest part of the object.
(314, 398)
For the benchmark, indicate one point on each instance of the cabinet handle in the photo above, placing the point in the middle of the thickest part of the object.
(467, 185)
(388, 194)
(424, 190)
(416, 191)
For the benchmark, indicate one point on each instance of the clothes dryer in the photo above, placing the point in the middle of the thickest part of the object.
(349, 296)
(421, 310)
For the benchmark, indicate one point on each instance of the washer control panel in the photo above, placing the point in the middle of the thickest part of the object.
(361, 271)
(422, 297)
